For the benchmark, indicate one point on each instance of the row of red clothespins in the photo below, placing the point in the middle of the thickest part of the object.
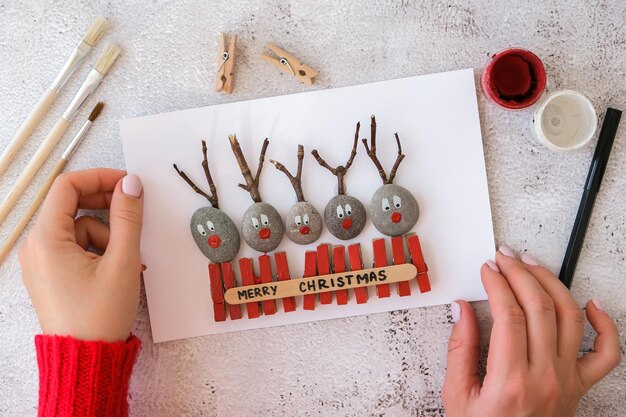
(318, 262)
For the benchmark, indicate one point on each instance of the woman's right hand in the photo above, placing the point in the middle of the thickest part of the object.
(533, 369)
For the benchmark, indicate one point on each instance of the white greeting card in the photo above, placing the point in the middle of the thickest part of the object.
(436, 118)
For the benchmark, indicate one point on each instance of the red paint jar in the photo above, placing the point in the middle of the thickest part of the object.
(514, 78)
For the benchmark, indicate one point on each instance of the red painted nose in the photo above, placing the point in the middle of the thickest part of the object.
(264, 233)
(396, 217)
(304, 230)
(347, 223)
(214, 241)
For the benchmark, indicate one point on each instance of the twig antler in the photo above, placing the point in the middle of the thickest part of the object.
(212, 198)
(252, 183)
(371, 152)
(296, 181)
(340, 171)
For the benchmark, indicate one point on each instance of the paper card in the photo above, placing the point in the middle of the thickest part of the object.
(436, 117)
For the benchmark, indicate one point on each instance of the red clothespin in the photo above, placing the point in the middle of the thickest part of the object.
(282, 271)
(289, 64)
(323, 268)
(217, 292)
(417, 258)
(380, 260)
(226, 60)
(356, 264)
(339, 266)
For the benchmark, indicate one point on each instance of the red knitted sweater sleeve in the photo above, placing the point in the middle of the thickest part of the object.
(79, 378)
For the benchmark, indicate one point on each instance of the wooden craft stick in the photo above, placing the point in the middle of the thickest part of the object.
(380, 260)
(339, 267)
(320, 284)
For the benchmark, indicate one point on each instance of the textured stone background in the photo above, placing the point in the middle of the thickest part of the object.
(387, 364)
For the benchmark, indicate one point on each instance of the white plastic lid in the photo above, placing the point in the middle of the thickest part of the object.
(565, 120)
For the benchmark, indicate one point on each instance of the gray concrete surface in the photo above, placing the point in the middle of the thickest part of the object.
(387, 364)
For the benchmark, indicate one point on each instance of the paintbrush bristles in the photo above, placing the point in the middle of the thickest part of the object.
(107, 58)
(95, 31)
(96, 111)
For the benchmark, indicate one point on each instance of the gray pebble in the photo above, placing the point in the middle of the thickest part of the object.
(345, 217)
(262, 227)
(215, 234)
(394, 210)
(303, 224)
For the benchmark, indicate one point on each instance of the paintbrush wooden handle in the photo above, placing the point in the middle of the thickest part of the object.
(32, 209)
(33, 166)
(27, 127)
(320, 284)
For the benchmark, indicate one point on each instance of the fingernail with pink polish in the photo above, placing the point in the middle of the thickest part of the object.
(131, 185)
(506, 251)
(597, 303)
(529, 260)
(455, 310)
(491, 264)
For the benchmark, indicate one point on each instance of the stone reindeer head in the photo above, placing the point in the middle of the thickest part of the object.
(393, 208)
(262, 227)
(344, 215)
(303, 223)
(213, 231)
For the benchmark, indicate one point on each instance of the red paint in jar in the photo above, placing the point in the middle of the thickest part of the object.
(514, 78)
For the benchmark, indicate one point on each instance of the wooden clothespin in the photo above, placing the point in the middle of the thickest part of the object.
(226, 59)
(290, 64)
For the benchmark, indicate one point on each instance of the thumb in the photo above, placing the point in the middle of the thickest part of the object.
(126, 218)
(462, 371)
(605, 356)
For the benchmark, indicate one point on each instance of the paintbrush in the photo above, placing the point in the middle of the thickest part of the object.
(104, 63)
(43, 191)
(81, 50)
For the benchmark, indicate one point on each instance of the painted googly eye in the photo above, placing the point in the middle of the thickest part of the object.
(306, 219)
(201, 230)
(340, 212)
(210, 225)
(386, 206)
(298, 220)
(397, 203)
(348, 209)
(255, 222)
(264, 220)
